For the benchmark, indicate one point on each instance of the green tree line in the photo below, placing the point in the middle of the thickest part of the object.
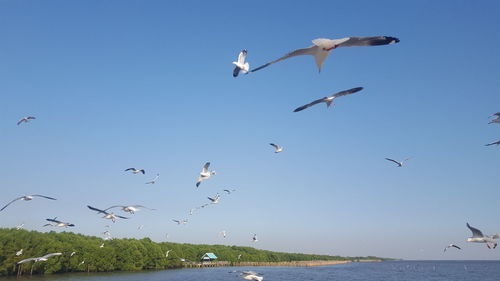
(117, 254)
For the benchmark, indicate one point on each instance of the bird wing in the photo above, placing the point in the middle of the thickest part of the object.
(493, 143)
(31, 117)
(456, 247)
(51, 255)
(54, 220)
(392, 160)
(300, 108)
(130, 169)
(11, 203)
(227, 190)
(97, 210)
(242, 56)
(21, 121)
(26, 260)
(347, 92)
(305, 51)
(205, 167)
(140, 206)
(121, 217)
(115, 206)
(43, 196)
(198, 181)
(475, 232)
(368, 41)
(236, 71)
(496, 236)
(273, 145)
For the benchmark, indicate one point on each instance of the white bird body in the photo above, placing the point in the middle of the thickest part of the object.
(241, 65)
(101, 246)
(72, 254)
(19, 227)
(223, 233)
(166, 254)
(321, 48)
(20, 252)
(478, 237)
(130, 209)
(251, 275)
(214, 200)
(254, 238)
(204, 174)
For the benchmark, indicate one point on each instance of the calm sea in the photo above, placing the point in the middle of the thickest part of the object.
(384, 271)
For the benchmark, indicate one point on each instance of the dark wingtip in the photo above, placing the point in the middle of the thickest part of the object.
(392, 40)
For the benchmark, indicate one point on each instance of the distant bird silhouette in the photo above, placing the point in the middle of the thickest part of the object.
(136, 171)
(27, 198)
(496, 120)
(277, 148)
(450, 246)
(38, 259)
(329, 99)
(241, 65)
(493, 143)
(25, 120)
(400, 164)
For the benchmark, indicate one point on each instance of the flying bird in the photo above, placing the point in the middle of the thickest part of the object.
(25, 120)
(43, 258)
(130, 209)
(241, 65)
(153, 181)
(321, 48)
(223, 233)
(229, 191)
(140, 227)
(135, 171)
(450, 246)
(277, 148)
(166, 254)
(204, 174)
(254, 238)
(58, 223)
(329, 100)
(496, 120)
(72, 254)
(19, 227)
(493, 143)
(27, 198)
(107, 215)
(214, 200)
(20, 252)
(478, 237)
(101, 246)
(400, 164)
(179, 222)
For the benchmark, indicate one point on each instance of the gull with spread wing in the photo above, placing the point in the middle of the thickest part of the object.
(27, 198)
(321, 48)
(204, 174)
(478, 237)
(329, 100)
(241, 65)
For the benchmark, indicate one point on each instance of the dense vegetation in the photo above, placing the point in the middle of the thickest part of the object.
(117, 254)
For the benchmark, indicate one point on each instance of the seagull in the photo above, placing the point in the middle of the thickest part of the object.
(27, 198)
(107, 215)
(58, 223)
(400, 164)
(241, 65)
(229, 191)
(223, 233)
(140, 227)
(191, 212)
(179, 222)
(214, 200)
(72, 254)
(493, 143)
(254, 238)
(239, 256)
(20, 252)
(166, 254)
(108, 235)
(277, 148)
(153, 181)
(19, 227)
(102, 245)
(496, 120)
(251, 275)
(322, 47)
(82, 262)
(25, 119)
(478, 237)
(136, 171)
(204, 174)
(452, 245)
(43, 258)
(329, 100)
(130, 209)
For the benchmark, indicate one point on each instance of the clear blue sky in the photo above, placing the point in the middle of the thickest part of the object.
(148, 84)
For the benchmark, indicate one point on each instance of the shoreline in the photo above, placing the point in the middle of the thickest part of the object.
(282, 263)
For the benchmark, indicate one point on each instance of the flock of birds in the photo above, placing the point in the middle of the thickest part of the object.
(320, 50)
